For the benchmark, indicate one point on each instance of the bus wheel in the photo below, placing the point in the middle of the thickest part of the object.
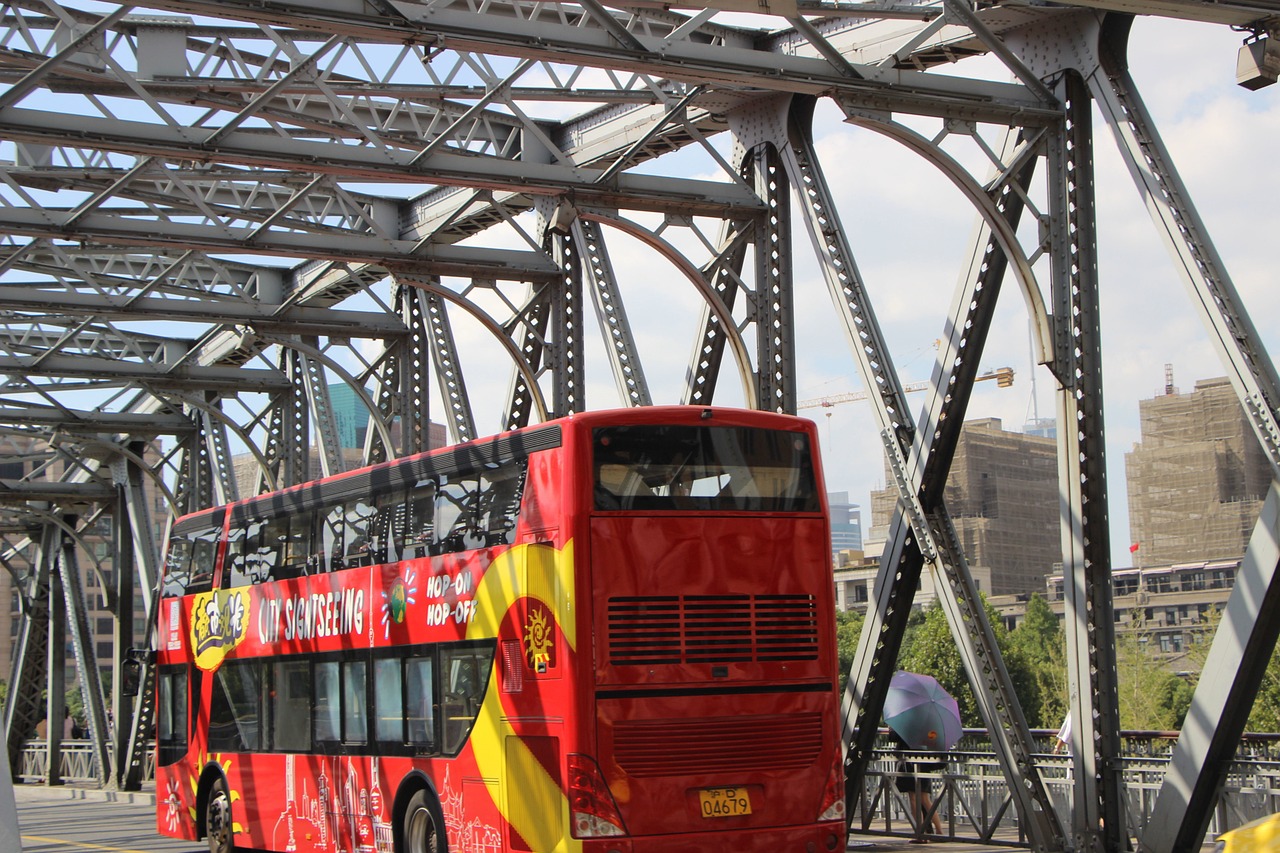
(423, 827)
(217, 819)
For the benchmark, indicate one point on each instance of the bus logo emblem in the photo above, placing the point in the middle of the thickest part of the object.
(537, 639)
(219, 622)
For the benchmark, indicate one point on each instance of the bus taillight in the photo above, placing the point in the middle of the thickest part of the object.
(591, 806)
(833, 796)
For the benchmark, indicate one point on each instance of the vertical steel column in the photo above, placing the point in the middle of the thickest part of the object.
(566, 348)
(135, 722)
(321, 408)
(222, 479)
(1099, 819)
(56, 666)
(448, 368)
(123, 563)
(293, 440)
(611, 314)
(389, 395)
(774, 296)
(30, 669)
(85, 654)
(534, 319)
(415, 416)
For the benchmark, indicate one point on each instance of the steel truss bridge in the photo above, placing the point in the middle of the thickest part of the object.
(215, 213)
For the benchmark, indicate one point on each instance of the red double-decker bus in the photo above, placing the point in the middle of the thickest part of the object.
(610, 632)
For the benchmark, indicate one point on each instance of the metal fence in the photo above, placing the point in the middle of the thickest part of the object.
(78, 765)
(972, 797)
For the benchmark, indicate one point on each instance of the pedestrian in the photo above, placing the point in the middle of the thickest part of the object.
(912, 781)
(1063, 742)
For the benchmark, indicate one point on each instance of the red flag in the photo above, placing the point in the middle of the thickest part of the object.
(1133, 549)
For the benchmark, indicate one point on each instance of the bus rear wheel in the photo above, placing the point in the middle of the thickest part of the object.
(217, 819)
(422, 830)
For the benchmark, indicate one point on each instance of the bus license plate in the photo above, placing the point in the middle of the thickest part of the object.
(724, 802)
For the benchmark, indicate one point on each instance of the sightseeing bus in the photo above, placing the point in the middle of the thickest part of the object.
(611, 633)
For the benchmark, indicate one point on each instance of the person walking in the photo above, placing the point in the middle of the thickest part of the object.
(911, 767)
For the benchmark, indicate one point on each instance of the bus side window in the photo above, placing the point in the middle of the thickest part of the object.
(235, 714)
(203, 556)
(328, 702)
(421, 521)
(466, 673)
(388, 701)
(355, 725)
(189, 563)
(359, 535)
(331, 532)
(502, 492)
(250, 558)
(388, 528)
(458, 516)
(291, 706)
(274, 550)
(171, 714)
(419, 703)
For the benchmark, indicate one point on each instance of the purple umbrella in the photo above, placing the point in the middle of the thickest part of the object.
(921, 712)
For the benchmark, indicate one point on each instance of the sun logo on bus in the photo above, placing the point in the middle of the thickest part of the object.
(173, 804)
(537, 639)
(396, 601)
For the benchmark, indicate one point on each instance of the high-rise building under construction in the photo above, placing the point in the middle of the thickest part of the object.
(1197, 479)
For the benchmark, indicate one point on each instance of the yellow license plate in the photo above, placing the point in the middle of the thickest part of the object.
(724, 802)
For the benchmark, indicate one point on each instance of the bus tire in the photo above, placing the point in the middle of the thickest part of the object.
(422, 828)
(217, 818)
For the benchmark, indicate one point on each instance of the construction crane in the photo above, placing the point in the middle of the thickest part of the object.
(1002, 375)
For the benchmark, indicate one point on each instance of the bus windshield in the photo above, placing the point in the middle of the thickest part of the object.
(745, 469)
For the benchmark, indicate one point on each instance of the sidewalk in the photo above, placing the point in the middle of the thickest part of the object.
(80, 791)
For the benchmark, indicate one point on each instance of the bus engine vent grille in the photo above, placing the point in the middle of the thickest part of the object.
(679, 629)
(679, 747)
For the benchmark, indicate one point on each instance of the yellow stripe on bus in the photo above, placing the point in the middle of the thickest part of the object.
(499, 753)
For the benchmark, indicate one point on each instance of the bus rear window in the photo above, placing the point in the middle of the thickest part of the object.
(737, 469)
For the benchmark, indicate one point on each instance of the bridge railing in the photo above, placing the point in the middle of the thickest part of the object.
(971, 796)
(78, 765)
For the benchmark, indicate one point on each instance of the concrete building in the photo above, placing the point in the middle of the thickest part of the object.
(846, 525)
(1197, 479)
(1167, 608)
(1003, 498)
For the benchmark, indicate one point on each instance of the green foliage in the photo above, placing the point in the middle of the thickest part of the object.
(929, 649)
(1151, 697)
(1039, 644)
(848, 631)
(1265, 716)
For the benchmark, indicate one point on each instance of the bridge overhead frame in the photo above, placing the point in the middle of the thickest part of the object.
(215, 213)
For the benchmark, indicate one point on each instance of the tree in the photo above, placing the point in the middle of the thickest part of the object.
(848, 631)
(1151, 697)
(1040, 643)
(929, 648)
